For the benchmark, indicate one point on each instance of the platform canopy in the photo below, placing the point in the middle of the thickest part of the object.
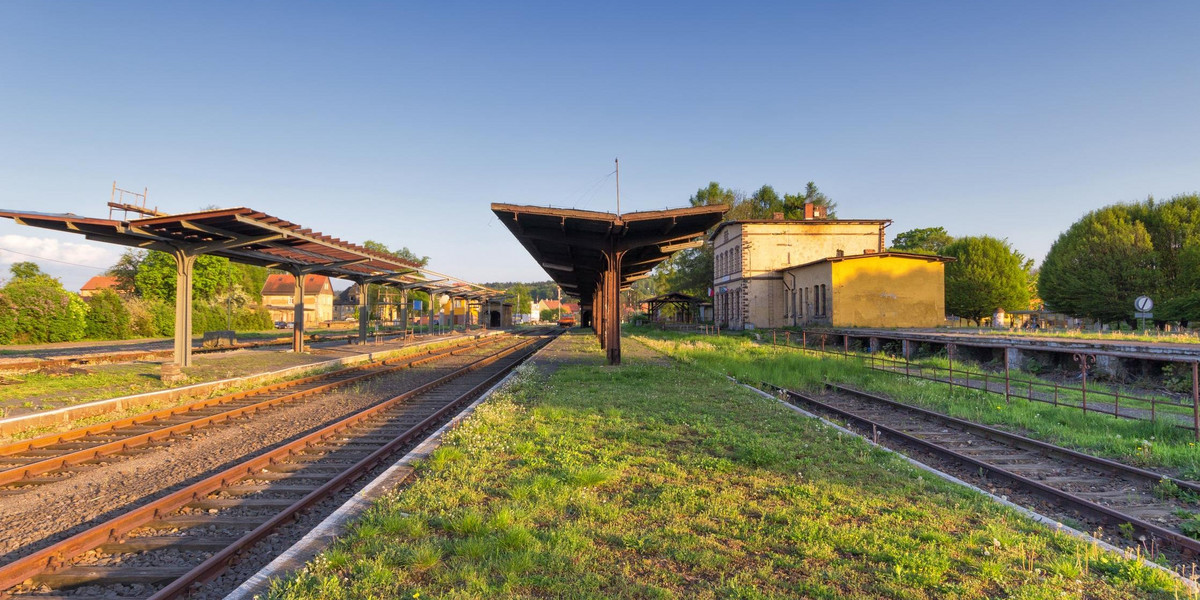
(594, 255)
(248, 236)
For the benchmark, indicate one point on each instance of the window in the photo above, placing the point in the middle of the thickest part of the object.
(824, 302)
(798, 299)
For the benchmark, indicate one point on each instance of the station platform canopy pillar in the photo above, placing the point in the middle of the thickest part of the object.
(592, 255)
(185, 264)
(364, 311)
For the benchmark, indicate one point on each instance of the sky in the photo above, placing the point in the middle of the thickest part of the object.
(401, 122)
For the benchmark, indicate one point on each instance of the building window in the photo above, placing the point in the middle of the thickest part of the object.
(824, 302)
(798, 302)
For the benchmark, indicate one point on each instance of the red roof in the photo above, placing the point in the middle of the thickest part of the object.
(283, 284)
(550, 304)
(101, 282)
(570, 307)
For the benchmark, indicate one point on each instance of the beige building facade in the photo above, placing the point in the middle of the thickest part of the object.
(749, 259)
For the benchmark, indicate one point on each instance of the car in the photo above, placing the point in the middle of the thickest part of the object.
(283, 325)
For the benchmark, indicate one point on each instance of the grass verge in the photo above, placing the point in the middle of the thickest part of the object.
(670, 482)
(1146, 443)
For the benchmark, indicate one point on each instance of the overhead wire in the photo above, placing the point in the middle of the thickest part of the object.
(54, 260)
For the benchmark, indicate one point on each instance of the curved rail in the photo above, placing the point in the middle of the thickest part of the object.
(36, 462)
(115, 531)
(1083, 505)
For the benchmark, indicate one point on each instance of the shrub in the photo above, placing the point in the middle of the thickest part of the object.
(107, 318)
(42, 311)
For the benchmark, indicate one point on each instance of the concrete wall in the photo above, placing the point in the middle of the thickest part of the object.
(888, 292)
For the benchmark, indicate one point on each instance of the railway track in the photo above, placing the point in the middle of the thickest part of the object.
(51, 458)
(1095, 489)
(167, 547)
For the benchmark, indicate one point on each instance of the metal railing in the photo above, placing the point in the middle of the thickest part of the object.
(1015, 383)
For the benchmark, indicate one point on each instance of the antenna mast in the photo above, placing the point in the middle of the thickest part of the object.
(617, 162)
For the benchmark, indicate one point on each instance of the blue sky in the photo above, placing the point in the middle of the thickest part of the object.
(401, 122)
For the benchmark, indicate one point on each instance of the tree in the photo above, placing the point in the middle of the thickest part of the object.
(927, 240)
(26, 270)
(794, 203)
(155, 276)
(1098, 266)
(986, 274)
(548, 314)
(107, 317)
(765, 202)
(125, 270)
(403, 253)
(687, 272)
(40, 310)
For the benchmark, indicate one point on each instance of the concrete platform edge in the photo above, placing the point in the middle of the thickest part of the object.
(328, 530)
(67, 414)
(1040, 518)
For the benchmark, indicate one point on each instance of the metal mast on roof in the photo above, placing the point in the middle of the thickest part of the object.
(617, 162)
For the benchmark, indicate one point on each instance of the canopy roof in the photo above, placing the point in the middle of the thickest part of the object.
(571, 244)
(248, 236)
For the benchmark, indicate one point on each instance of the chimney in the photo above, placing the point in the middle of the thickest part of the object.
(813, 211)
(777, 216)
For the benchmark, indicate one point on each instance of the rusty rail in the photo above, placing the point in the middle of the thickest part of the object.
(16, 474)
(1103, 513)
(58, 554)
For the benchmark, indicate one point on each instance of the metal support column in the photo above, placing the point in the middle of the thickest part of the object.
(298, 311)
(364, 311)
(404, 322)
(612, 307)
(184, 264)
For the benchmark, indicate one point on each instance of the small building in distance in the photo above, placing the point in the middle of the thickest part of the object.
(102, 282)
(819, 271)
(277, 295)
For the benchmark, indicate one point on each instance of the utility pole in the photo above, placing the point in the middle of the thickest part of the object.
(617, 162)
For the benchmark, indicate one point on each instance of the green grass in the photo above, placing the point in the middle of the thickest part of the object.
(1145, 443)
(670, 482)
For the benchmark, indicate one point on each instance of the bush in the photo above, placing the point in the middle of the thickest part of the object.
(107, 319)
(38, 309)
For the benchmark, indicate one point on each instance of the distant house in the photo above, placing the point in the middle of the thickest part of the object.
(277, 294)
(101, 282)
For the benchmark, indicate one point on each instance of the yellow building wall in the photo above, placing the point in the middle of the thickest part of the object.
(317, 308)
(750, 256)
(888, 292)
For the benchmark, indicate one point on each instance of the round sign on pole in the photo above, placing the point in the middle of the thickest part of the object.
(1143, 304)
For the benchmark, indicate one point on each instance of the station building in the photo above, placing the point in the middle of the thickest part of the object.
(819, 271)
(278, 291)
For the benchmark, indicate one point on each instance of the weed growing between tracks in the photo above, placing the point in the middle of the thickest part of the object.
(662, 482)
(1144, 443)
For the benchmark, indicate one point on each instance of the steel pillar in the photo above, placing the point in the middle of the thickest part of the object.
(612, 307)
(404, 323)
(298, 311)
(364, 311)
(184, 264)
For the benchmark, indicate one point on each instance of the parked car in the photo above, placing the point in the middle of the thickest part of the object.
(284, 325)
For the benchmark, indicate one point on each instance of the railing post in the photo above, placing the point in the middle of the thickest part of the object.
(1083, 360)
(950, 361)
(1006, 376)
(1196, 398)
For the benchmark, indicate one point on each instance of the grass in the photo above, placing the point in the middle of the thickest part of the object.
(1145, 443)
(595, 482)
(110, 381)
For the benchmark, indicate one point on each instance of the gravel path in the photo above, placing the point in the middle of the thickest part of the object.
(51, 512)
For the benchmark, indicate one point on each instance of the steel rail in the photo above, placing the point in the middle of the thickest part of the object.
(1026, 443)
(218, 562)
(57, 555)
(17, 474)
(1103, 513)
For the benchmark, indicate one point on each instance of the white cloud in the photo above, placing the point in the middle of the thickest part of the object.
(42, 250)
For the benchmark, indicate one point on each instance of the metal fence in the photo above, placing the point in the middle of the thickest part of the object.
(1015, 383)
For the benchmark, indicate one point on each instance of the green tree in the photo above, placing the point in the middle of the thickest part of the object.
(927, 240)
(107, 317)
(1098, 266)
(522, 302)
(41, 311)
(26, 270)
(765, 202)
(794, 203)
(687, 272)
(125, 270)
(403, 253)
(986, 274)
(155, 276)
(548, 314)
